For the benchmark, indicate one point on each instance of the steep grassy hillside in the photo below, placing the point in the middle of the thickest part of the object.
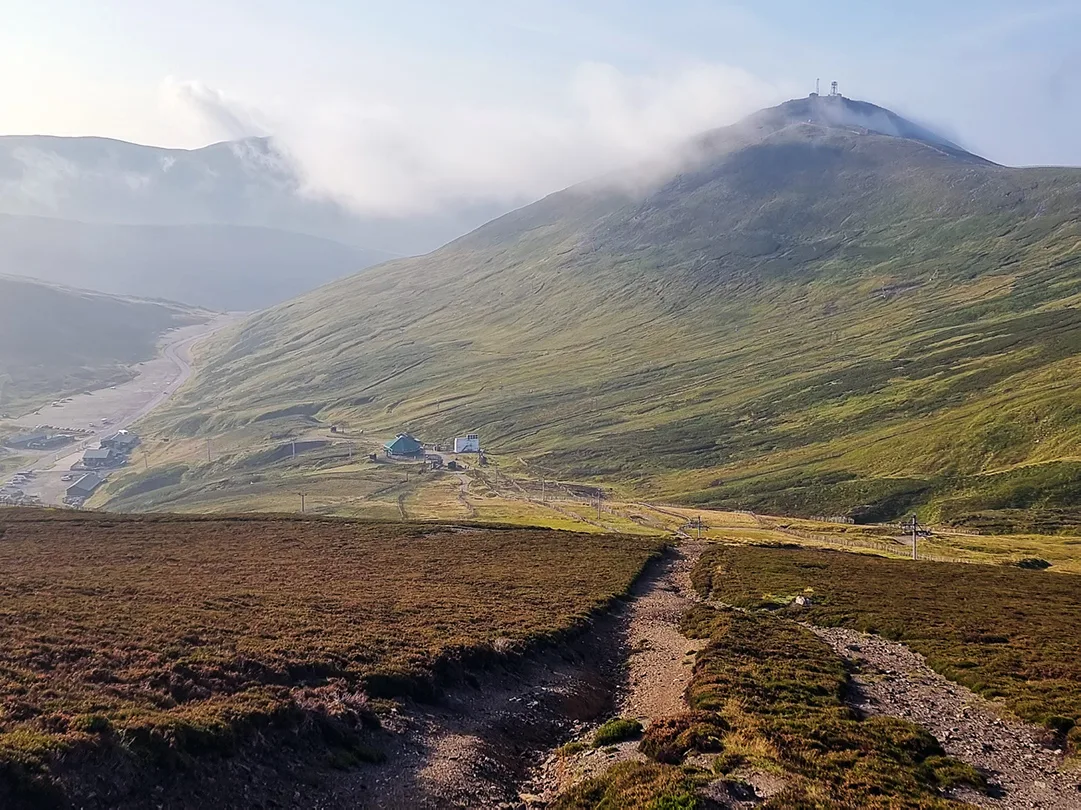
(807, 316)
(142, 653)
(56, 341)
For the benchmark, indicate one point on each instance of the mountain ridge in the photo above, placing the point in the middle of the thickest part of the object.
(252, 181)
(737, 334)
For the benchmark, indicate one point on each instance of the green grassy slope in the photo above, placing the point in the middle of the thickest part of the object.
(808, 317)
(56, 341)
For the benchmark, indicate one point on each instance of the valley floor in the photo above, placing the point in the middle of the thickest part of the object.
(97, 413)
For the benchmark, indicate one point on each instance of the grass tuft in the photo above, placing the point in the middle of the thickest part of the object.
(617, 730)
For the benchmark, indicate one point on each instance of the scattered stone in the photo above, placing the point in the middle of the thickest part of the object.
(891, 679)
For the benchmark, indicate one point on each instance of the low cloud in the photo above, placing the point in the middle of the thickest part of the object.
(208, 112)
(404, 156)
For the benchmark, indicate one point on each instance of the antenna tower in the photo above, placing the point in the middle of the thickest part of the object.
(833, 89)
(817, 81)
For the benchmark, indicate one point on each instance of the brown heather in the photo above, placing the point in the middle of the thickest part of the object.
(173, 634)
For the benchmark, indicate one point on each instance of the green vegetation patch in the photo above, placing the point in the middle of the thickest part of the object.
(766, 697)
(779, 689)
(1002, 631)
(635, 786)
(177, 637)
(617, 730)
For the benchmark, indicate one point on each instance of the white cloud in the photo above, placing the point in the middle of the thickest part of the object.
(208, 112)
(409, 154)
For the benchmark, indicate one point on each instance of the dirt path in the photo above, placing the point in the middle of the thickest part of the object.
(657, 671)
(463, 495)
(476, 747)
(480, 746)
(1021, 758)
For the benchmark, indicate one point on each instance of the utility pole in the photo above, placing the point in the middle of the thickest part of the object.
(912, 525)
(301, 503)
(544, 498)
(146, 461)
(207, 449)
(699, 527)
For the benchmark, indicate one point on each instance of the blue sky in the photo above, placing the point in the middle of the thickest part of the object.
(471, 98)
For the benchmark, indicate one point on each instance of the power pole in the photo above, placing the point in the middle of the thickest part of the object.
(207, 449)
(699, 527)
(544, 499)
(912, 525)
(294, 448)
(146, 461)
(302, 503)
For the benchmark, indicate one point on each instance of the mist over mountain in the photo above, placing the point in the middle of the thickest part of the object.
(228, 226)
(796, 313)
(219, 267)
(248, 182)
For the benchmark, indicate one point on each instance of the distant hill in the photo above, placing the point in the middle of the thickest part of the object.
(251, 182)
(56, 341)
(230, 226)
(220, 267)
(824, 309)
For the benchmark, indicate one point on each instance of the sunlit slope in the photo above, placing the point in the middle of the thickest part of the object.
(808, 317)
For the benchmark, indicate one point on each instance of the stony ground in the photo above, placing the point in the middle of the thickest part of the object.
(477, 745)
(1022, 760)
(657, 672)
(480, 746)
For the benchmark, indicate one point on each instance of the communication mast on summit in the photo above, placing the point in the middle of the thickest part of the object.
(833, 89)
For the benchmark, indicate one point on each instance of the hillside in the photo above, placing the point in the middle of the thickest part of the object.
(56, 341)
(178, 664)
(821, 310)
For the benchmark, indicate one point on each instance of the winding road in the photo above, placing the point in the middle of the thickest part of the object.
(107, 410)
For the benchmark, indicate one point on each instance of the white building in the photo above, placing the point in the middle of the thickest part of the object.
(470, 443)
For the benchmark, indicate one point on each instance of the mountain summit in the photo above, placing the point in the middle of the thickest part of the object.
(837, 111)
(823, 309)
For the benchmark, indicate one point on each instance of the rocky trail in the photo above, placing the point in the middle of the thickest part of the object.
(493, 742)
(474, 748)
(480, 744)
(488, 743)
(1022, 761)
(656, 674)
